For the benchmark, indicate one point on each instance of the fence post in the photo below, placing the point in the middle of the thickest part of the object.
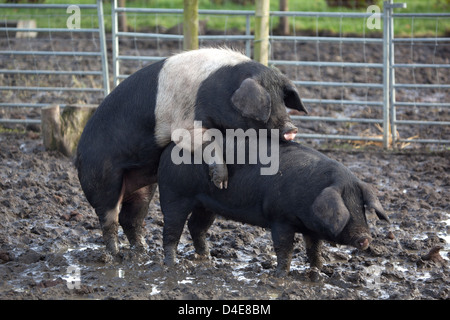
(262, 9)
(101, 28)
(190, 25)
(391, 75)
(392, 112)
(389, 117)
(123, 17)
(386, 76)
(284, 21)
(115, 43)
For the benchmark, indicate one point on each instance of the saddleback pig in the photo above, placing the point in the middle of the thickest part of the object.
(119, 150)
(311, 194)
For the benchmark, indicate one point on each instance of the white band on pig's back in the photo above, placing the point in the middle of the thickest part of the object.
(178, 83)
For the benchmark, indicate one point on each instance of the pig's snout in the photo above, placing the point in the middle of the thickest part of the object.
(362, 242)
(288, 132)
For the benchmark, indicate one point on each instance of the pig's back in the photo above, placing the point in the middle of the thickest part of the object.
(303, 174)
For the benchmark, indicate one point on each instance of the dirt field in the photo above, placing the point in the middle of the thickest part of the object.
(51, 245)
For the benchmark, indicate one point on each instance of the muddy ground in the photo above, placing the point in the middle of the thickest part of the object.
(51, 245)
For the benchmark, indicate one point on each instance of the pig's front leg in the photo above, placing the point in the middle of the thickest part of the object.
(176, 211)
(219, 174)
(283, 243)
(206, 145)
(213, 156)
(313, 250)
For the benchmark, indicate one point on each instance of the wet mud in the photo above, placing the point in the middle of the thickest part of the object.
(51, 245)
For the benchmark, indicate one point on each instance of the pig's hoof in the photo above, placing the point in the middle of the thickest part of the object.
(201, 257)
(135, 254)
(169, 262)
(314, 275)
(112, 249)
(219, 175)
(139, 246)
(140, 254)
(108, 257)
(281, 273)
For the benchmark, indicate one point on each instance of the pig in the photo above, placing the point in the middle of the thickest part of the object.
(118, 152)
(310, 194)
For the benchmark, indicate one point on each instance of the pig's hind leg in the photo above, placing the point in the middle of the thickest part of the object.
(132, 215)
(102, 185)
(198, 224)
(108, 222)
(106, 198)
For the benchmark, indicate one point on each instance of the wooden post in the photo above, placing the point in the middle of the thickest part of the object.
(262, 31)
(123, 26)
(284, 21)
(190, 25)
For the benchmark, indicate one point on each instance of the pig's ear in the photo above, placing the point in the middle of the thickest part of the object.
(292, 99)
(371, 200)
(252, 100)
(330, 215)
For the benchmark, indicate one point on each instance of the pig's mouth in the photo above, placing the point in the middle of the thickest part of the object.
(290, 134)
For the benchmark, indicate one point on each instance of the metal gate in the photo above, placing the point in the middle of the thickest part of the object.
(388, 106)
(392, 105)
(387, 102)
(71, 75)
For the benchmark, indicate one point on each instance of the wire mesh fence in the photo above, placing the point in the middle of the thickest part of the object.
(366, 88)
(60, 62)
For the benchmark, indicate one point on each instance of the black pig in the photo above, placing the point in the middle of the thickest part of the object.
(119, 150)
(310, 194)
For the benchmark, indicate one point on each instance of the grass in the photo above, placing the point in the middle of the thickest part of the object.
(403, 26)
(20, 130)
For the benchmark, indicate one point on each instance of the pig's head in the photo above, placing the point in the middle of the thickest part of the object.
(264, 98)
(339, 214)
